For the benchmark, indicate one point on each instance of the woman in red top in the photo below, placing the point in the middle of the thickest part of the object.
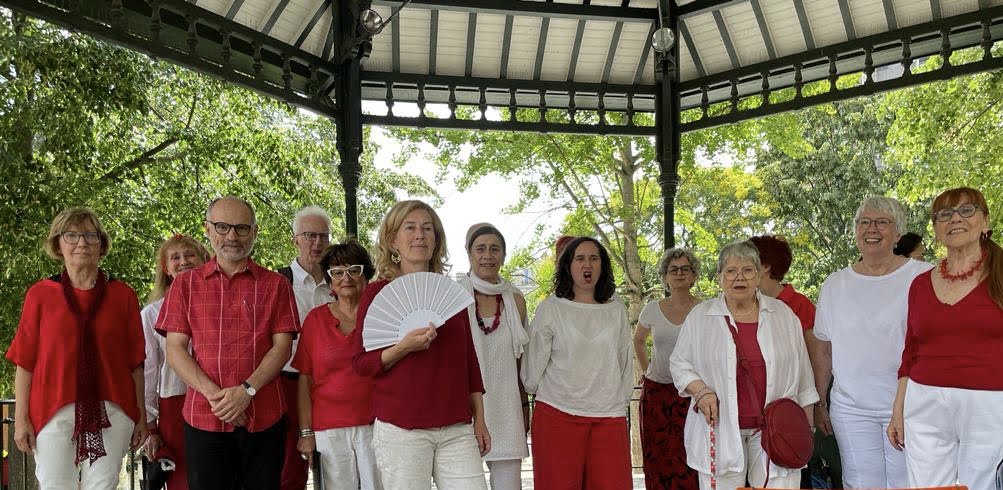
(78, 322)
(947, 409)
(335, 403)
(428, 386)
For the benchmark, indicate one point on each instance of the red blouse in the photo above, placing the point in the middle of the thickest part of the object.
(803, 308)
(750, 409)
(339, 397)
(954, 346)
(46, 345)
(425, 389)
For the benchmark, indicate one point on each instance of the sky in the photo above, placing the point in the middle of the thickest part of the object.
(482, 202)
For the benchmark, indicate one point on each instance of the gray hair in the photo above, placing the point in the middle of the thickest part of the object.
(677, 253)
(208, 210)
(886, 205)
(310, 211)
(744, 250)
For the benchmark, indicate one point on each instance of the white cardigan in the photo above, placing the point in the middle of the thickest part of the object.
(706, 352)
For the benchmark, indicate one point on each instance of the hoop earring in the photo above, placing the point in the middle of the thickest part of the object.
(395, 257)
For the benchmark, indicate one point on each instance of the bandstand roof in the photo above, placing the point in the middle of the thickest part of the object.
(556, 56)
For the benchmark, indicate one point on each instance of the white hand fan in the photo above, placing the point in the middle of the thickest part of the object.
(410, 302)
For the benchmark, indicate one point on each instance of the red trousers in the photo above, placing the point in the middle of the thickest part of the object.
(571, 452)
(171, 425)
(294, 468)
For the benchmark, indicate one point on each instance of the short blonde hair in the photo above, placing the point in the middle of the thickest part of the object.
(76, 216)
(391, 225)
(161, 279)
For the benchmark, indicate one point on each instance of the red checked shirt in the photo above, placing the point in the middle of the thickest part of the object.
(231, 321)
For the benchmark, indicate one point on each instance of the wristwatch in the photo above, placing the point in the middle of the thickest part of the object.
(249, 389)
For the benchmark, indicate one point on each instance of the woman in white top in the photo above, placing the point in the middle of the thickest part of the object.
(663, 411)
(497, 326)
(165, 391)
(860, 323)
(579, 366)
(704, 366)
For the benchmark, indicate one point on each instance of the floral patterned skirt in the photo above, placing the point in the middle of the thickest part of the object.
(663, 415)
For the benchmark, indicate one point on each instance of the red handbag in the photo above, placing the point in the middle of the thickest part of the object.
(785, 432)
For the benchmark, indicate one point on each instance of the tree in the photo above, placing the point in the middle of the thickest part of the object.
(147, 145)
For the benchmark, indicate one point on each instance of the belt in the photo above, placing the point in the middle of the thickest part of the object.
(290, 375)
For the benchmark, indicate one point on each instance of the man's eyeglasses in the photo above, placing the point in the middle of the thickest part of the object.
(224, 228)
(680, 270)
(353, 271)
(313, 236)
(881, 223)
(90, 237)
(745, 272)
(965, 210)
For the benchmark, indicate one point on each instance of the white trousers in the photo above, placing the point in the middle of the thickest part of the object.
(952, 436)
(346, 458)
(506, 474)
(410, 459)
(756, 463)
(55, 452)
(869, 460)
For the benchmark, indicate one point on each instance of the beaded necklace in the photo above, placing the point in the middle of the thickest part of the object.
(497, 319)
(961, 276)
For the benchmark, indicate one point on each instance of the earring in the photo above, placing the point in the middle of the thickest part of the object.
(986, 235)
(395, 257)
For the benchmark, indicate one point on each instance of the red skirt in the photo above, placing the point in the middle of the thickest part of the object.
(663, 415)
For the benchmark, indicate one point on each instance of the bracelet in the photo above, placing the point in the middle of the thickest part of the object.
(704, 392)
(306, 433)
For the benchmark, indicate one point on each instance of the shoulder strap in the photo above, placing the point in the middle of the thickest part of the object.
(743, 364)
(287, 272)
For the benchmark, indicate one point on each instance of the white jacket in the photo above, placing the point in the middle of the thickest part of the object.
(706, 352)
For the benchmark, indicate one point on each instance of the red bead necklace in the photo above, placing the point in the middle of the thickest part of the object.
(497, 319)
(961, 276)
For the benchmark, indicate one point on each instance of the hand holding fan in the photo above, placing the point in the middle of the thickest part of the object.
(410, 302)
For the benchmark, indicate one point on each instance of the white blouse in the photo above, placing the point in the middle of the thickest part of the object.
(161, 381)
(664, 335)
(579, 359)
(706, 352)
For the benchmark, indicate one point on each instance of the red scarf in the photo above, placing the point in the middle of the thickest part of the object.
(90, 416)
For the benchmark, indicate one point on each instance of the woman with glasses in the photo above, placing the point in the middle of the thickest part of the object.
(497, 325)
(165, 390)
(428, 396)
(78, 349)
(705, 367)
(578, 364)
(335, 403)
(860, 325)
(947, 409)
(663, 411)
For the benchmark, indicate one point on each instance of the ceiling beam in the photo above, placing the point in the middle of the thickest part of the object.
(537, 9)
(809, 38)
(729, 46)
(764, 28)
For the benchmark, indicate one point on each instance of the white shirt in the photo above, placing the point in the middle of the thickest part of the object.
(664, 335)
(160, 380)
(579, 359)
(309, 295)
(865, 319)
(705, 351)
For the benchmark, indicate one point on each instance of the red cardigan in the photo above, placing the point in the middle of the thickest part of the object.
(46, 345)
(954, 346)
(426, 389)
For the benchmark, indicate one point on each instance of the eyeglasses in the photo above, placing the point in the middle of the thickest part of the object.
(90, 237)
(680, 270)
(224, 228)
(313, 236)
(965, 211)
(353, 271)
(881, 223)
(745, 272)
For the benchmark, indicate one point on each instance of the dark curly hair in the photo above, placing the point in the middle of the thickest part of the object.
(563, 282)
(907, 244)
(775, 252)
(350, 252)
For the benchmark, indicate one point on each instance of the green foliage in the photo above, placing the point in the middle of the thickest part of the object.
(148, 145)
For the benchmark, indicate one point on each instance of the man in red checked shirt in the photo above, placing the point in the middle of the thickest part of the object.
(240, 319)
